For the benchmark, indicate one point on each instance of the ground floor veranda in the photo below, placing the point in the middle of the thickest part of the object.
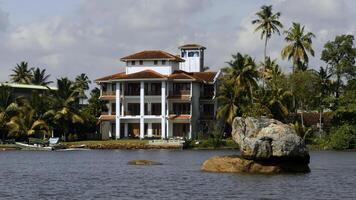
(131, 128)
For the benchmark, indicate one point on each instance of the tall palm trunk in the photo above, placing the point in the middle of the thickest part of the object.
(320, 121)
(265, 51)
(265, 59)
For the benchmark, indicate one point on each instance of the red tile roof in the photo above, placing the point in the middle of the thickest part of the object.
(147, 74)
(191, 46)
(151, 55)
(206, 76)
(138, 75)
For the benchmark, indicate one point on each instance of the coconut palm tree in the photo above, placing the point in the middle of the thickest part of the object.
(22, 74)
(64, 112)
(272, 69)
(26, 124)
(82, 84)
(299, 44)
(7, 109)
(268, 23)
(227, 98)
(39, 77)
(243, 71)
(279, 103)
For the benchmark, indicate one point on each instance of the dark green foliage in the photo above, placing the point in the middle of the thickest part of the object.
(343, 137)
(340, 55)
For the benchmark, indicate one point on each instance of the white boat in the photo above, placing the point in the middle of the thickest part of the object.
(23, 146)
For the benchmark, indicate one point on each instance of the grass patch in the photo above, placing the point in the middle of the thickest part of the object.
(107, 142)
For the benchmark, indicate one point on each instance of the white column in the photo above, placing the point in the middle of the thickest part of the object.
(126, 130)
(190, 130)
(163, 109)
(142, 109)
(149, 130)
(118, 95)
(122, 102)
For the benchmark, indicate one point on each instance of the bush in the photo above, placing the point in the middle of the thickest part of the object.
(343, 137)
(72, 137)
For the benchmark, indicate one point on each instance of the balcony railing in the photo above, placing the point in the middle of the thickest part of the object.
(108, 93)
(179, 92)
(132, 93)
(130, 113)
(153, 93)
(207, 94)
(107, 113)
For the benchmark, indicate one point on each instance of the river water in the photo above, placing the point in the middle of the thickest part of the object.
(101, 174)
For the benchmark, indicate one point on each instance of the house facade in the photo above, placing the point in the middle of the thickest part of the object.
(159, 95)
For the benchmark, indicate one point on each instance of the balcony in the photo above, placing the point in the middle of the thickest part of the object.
(106, 117)
(108, 95)
(179, 94)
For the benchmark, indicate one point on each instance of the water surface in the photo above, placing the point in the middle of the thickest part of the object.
(101, 174)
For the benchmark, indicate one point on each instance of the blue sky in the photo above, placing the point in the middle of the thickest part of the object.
(68, 37)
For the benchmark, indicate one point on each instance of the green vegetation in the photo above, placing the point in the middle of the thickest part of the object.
(319, 104)
(45, 112)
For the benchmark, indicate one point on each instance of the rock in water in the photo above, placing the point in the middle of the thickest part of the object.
(237, 164)
(143, 162)
(264, 139)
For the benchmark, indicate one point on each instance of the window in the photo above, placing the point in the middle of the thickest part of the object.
(208, 109)
(163, 62)
(105, 87)
(181, 108)
(113, 87)
(132, 89)
(156, 109)
(113, 108)
(193, 54)
(183, 54)
(141, 62)
(133, 62)
(155, 62)
(133, 109)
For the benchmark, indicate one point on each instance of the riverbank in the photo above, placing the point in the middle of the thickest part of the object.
(144, 144)
(6, 147)
(118, 144)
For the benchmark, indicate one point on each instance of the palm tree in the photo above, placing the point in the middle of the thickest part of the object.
(22, 74)
(267, 23)
(227, 96)
(299, 44)
(39, 77)
(82, 84)
(26, 124)
(7, 109)
(64, 109)
(271, 69)
(279, 103)
(243, 71)
(324, 75)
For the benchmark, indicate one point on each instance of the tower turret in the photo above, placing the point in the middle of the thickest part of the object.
(193, 54)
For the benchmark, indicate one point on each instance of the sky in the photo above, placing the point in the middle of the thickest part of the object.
(70, 37)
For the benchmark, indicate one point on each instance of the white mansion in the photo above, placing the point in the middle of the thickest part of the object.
(159, 95)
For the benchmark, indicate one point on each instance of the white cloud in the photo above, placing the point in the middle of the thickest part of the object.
(97, 34)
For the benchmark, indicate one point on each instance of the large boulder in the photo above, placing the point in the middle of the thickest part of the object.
(264, 139)
(237, 164)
